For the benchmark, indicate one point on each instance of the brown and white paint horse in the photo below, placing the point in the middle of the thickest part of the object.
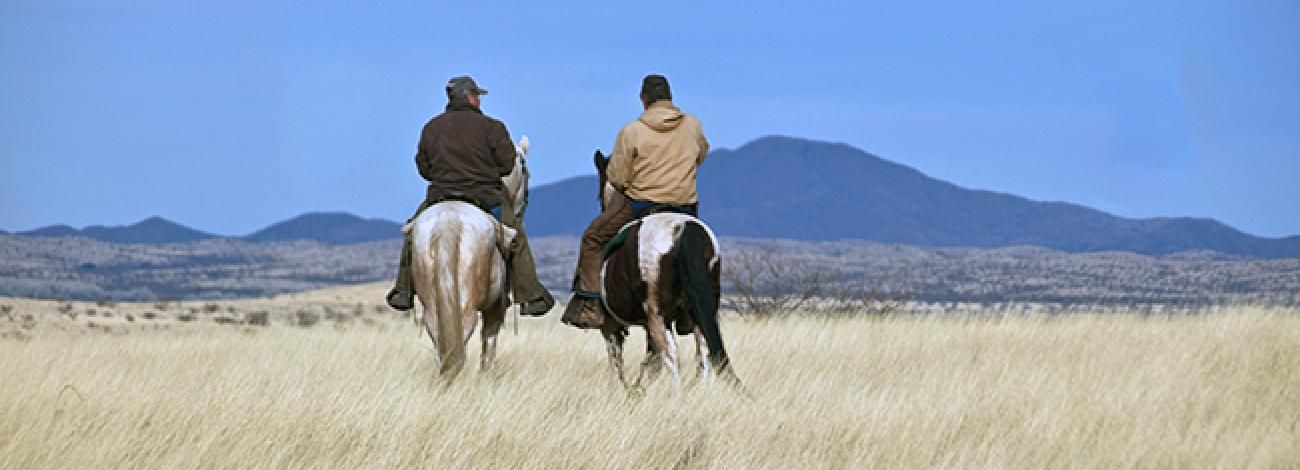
(663, 278)
(460, 273)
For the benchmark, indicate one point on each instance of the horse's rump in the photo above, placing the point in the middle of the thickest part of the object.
(458, 271)
(650, 256)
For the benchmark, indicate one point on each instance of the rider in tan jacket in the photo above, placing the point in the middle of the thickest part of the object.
(655, 157)
(654, 163)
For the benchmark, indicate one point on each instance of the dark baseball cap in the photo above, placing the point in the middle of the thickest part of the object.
(464, 86)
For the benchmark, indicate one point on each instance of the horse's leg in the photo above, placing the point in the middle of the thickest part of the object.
(493, 318)
(669, 355)
(468, 322)
(614, 336)
(701, 352)
(662, 348)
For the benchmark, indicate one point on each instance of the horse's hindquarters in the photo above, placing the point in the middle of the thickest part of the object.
(458, 273)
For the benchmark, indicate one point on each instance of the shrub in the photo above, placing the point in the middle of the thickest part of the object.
(258, 318)
(306, 319)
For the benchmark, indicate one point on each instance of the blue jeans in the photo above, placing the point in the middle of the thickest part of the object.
(640, 207)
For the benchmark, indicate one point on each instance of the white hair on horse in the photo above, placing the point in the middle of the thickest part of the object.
(460, 274)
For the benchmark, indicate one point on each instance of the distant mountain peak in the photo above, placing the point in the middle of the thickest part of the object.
(151, 230)
(779, 186)
(328, 227)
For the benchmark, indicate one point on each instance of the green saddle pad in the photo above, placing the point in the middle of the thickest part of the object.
(618, 240)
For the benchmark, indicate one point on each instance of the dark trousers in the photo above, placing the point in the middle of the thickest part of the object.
(603, 229)
(522, 271)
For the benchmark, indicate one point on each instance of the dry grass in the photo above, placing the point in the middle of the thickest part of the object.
(1088, 391)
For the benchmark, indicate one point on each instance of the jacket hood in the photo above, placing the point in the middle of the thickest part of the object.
(662, 116)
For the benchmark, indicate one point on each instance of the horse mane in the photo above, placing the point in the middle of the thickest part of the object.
(516, 183)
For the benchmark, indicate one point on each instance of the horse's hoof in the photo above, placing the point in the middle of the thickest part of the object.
(636, 392)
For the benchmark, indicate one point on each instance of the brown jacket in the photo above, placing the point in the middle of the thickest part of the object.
(462, 152)
(656, 156)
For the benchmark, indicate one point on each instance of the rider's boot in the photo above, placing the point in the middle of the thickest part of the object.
(584, 310)
(538, 306)
(402, 296)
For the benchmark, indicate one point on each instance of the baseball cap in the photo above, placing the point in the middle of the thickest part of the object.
(464, 85)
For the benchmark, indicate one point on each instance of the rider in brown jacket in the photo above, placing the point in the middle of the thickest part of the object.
(464, 154)
(654, 163)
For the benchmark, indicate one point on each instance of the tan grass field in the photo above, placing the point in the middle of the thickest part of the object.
(1112, 391)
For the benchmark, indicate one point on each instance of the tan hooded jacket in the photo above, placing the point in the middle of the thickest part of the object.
(656, 156)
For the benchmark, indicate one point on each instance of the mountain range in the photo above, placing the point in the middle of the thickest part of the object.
(791, 188)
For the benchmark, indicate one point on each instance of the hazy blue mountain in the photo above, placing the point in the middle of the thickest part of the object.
(562, 208)
(329, 227)
(781, 187)
(151, 230)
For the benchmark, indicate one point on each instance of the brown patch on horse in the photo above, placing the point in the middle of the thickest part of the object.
(623, 269)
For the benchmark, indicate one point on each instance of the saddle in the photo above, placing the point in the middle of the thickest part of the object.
(644, 210)
(617, 241)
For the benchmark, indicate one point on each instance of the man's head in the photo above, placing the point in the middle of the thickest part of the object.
(463, 89)
(654, 88)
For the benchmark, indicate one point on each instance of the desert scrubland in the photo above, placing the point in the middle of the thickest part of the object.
(359, 390)
(222, 269)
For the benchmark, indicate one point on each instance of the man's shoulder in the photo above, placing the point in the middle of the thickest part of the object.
(461, 117)
(690, 119)
(493, 121)
(634, 126)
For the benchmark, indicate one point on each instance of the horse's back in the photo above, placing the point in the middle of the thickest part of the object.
(467, 221)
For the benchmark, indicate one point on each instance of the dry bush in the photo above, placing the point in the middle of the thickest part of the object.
(765, 282)
(259, 318)
(305, 319)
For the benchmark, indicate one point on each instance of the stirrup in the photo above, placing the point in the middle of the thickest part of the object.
(585, 294)
(400, 299)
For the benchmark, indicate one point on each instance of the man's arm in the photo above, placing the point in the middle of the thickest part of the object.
(422, 159)
(503, 149)
(704, 142)
(618, 172)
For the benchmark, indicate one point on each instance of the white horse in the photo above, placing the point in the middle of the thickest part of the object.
(460, 273)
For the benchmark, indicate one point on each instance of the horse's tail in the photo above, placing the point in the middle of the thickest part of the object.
(445, 252)
(693, 271)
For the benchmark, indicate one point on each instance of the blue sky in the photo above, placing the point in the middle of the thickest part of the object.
(228, 116)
